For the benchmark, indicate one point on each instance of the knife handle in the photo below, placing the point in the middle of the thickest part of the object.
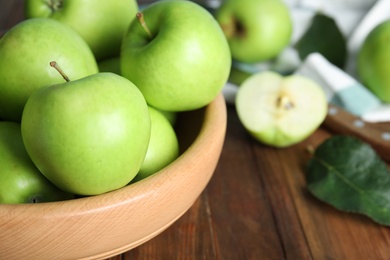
(377, 135)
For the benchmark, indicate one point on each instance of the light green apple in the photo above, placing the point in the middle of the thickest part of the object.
(177, 55)
(20, 180)
(26, 50)
(280, 111)
(163, 145)
(87, 136)
(100, 23)
(257, 30)
(169, 115)
(110, 65)
(373, 61)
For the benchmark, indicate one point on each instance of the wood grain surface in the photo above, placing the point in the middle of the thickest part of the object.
(257, 206)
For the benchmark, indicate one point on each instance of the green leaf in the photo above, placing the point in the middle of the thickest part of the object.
(325, 37)
(348, 174)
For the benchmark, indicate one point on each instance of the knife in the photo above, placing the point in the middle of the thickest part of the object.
(339, 121)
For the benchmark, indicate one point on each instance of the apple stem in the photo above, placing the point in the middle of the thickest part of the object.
(55, 65)
(141, 20)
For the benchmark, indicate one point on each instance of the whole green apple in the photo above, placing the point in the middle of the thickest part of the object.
(87, 136)
(280, 111)
(163, 145)
(20, 180)
(373, 61)
(26, 50)
(176, 54)
(100, 23)
(257, 30)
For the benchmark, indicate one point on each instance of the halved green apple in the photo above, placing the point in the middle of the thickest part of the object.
(280, 110)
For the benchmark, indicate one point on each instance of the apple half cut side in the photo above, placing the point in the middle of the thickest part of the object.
(280, 111)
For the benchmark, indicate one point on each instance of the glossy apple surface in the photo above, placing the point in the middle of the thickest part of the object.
(20, 180)
(373, 61)
(100, 23)
(257, 30)
(26, 51)
(280, 111)
(163, 145)
(184, 62)
(87, 136)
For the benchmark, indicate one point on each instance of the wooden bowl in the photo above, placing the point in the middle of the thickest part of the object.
(102, 226)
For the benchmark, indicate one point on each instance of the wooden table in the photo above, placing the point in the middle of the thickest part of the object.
(257, 206)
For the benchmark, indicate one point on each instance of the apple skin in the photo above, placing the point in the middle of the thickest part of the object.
(186, 62)
(280, 111)
(100, 23)
(20, 180)
(257, 30)
(87, 136)
(110, 65)
(26, 51)
(373, 61)
(169, 115)
(163, 145)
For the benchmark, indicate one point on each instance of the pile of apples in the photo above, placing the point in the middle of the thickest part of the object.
(67, 128)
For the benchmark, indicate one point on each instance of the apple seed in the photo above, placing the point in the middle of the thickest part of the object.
(284, 102)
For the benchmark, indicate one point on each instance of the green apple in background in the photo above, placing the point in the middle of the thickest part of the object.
(26, 50)
(100, 23)
(87, 136)
(257, 30)
(237, 76)
(110, 65)
(280, 111)
(163, 145)
(177, 55)
(20, 180)
(373, 61)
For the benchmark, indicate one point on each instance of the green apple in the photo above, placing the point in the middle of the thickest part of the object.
(101, 24)
(177, 55)
(237, 76)
(87, 136)
(170, 116)
(280, 111)
(110, 65)
(26, 50)
(163, 145)
(20, 180)
(257, 30)
(373, 61)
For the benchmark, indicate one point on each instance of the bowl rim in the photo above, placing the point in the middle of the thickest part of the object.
(23, 227)
(130, 192)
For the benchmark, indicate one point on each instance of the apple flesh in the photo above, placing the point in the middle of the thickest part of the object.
(257, 30)
(373, 61)
(87, 136)
(280, 111)
(20, 180)
(101, 24)
(177, 55)
(26, 50)
(163, 145)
